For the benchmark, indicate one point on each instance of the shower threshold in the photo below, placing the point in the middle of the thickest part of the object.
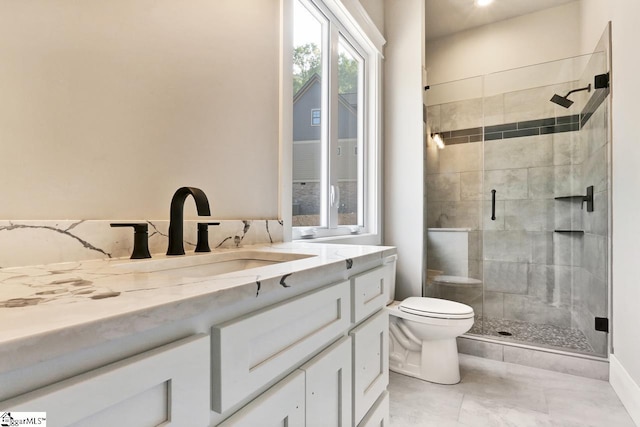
(531, 333)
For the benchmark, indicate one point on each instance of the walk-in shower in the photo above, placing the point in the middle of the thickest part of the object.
(517, 202)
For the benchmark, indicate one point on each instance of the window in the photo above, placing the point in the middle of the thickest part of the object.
(335, 155)
(315, 117)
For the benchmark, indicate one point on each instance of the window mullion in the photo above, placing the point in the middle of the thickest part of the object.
(325, 185)
(333, 111)
(362, 137)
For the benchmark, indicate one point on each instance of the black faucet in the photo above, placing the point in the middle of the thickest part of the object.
(176, 222)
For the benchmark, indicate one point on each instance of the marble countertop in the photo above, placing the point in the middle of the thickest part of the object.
(107, 299)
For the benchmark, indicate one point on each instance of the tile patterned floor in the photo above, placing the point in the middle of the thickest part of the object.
(499, 394)
(534, 333)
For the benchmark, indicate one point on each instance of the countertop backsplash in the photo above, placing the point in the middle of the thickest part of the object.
(36, 242)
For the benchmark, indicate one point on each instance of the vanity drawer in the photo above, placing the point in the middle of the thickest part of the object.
(165, 386)
(255, 349)
(371, 290)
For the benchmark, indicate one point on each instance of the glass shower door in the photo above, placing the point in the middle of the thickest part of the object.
(453, 182)
(506, 172)
(536, 245)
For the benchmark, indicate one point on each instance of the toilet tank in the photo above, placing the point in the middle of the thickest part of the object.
(448, 251)
(389, 264)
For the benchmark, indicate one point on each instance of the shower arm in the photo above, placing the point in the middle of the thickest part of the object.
(587, 88)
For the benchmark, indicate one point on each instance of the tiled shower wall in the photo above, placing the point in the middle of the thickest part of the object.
(532, 153)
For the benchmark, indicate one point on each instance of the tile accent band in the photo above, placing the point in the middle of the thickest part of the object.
(569, 123)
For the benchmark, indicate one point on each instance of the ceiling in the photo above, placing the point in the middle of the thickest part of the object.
(445, 17)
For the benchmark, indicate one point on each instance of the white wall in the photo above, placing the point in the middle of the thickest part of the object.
(626, 184)
(625, 374)
(375, 10)
(594, 15)
(530, 39)
(108, 107)
(403, 147)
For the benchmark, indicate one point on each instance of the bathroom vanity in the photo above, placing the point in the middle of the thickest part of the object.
(288, 332)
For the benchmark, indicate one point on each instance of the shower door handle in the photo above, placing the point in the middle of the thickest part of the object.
(493, 205)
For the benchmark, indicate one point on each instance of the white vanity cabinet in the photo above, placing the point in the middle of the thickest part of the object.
(343, 385)
(370, 292)
(171, 388)
(317, 359)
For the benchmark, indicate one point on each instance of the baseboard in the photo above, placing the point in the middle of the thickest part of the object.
(625, 387)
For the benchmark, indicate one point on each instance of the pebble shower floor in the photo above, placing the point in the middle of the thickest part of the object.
(541, 334)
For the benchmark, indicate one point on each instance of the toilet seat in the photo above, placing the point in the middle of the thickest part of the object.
(436, 308)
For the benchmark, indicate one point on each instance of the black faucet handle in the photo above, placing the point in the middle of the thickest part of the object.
(140, 238)
(138, 227)
(203, 236)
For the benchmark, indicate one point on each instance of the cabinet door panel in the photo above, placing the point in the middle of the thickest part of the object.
(370, 362)
(282, 405)
(328, 386)
(370, 291)
(165, 386)
(252, 351)
(378, 415)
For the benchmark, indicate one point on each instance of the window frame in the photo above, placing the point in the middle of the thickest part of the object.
(349, 21)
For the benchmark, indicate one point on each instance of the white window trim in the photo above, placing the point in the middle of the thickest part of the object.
(352, 15)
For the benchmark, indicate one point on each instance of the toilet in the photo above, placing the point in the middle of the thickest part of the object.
(423, 330)
(422, 337)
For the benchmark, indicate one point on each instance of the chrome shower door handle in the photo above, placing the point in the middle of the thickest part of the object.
(493, 205)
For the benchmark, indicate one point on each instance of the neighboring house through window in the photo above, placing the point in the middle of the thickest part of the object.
(335, 155)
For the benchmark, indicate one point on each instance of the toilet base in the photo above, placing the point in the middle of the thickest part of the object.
(435, 361)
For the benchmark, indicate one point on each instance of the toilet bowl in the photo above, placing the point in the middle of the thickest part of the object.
(422, 337)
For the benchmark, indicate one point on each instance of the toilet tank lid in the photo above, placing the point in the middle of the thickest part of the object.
(428, 306)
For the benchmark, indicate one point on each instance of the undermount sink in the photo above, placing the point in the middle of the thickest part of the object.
(208, 264)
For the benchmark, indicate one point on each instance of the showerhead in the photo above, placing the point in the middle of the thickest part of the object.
(562, 101)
